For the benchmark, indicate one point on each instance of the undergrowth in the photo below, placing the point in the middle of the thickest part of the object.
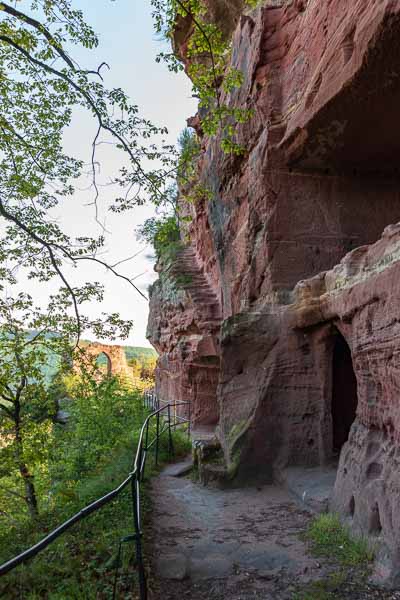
(349, 557)
(80, 565)
(329, 538)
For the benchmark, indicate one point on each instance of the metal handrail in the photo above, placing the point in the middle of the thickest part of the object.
(134, 478)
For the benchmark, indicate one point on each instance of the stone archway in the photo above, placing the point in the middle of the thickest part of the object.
(117, 363)
(107, 366)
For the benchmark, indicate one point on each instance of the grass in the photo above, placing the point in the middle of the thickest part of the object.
(349, 557)
(329, 538)
(324, 589)
(80, 565)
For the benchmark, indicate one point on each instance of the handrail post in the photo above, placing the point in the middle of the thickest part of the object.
(147, 436)
(170, 443)
(143, 465)
(157, 436)
(138, 538)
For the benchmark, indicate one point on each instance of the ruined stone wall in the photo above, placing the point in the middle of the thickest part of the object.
(117, 363)
(316, 187)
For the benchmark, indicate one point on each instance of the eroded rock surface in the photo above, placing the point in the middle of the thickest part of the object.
(184, 324)
(290, 249)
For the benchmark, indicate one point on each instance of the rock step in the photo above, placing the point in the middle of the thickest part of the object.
(201, 294)
(205, 301)
(197, 286)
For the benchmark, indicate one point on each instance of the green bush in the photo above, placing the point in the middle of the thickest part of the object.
(88, 458)
(161, 233)
(189, 147)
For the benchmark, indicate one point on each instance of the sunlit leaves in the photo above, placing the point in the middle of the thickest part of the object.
(41, 89)
(208, 54)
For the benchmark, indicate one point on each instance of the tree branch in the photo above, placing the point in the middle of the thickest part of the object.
(208, 42)
(10, 217)
(11, 493)
(89, 100)
(10, 10)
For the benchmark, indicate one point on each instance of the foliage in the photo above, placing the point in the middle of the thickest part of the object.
(349, 562)
(81, 564)
(323, 589)
(189, 149)
(213, 79)
(26, 404)
(331, 539)
(85, 460)
(42, 87)
(164, 231)
(160, 232)
(100, 412)
(143, 368)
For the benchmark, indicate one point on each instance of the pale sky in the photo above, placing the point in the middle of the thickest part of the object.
(129, 45)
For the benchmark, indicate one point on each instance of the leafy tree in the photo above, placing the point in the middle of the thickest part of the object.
(143, 367)
(103, 413)
(136, 366)
(29, 339)
(26, 406)
(160, 232)
(164, 230)
(189, 150)
(41, 87)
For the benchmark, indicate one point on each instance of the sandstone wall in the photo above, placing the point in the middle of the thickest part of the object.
(290, 246)
(184, 326)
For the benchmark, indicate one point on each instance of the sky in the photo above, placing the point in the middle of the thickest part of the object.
(129, 46)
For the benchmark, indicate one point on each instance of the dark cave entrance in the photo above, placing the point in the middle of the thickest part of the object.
(344, 393)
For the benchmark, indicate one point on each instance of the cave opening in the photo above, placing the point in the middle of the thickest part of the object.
(344, 394)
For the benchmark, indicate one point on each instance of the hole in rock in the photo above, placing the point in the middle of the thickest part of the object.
(375, 525)
(374, 470)
(352, 506)
(103, 363)
(344, 393)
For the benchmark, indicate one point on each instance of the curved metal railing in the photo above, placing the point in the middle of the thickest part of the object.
(166, 420)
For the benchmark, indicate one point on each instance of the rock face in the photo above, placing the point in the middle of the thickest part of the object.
(305, 288)
(184, 325)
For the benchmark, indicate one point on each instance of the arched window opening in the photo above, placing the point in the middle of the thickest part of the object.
(344, 393)
(103, 364)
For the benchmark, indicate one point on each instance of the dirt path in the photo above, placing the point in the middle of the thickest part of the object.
(237, 545)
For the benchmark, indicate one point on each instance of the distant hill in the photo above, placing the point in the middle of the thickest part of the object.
(130, 351)
(139, 352)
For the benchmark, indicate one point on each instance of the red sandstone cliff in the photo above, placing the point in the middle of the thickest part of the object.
(293, 343)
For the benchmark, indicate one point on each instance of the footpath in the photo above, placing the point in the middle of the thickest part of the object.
(239, 544)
